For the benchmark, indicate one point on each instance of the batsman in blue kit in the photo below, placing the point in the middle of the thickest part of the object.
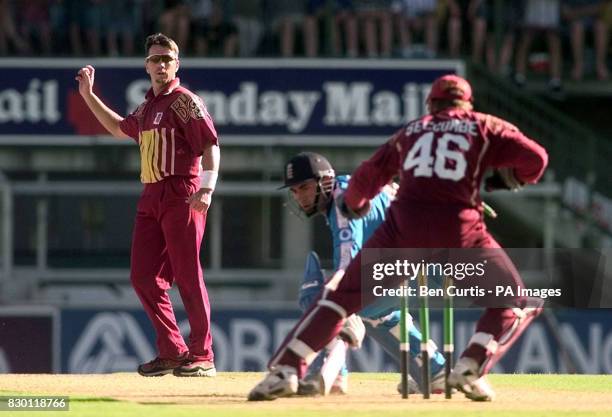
(315, 188)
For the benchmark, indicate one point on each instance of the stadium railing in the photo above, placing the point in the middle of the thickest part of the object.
(577, 154)
(34, 279)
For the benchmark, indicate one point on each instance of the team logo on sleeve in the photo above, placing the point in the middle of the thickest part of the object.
(158, 118)
(197, 109)
(186, 107)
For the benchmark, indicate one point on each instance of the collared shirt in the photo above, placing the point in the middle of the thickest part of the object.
(172, 130)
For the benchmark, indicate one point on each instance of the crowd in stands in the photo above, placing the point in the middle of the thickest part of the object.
(502, 34)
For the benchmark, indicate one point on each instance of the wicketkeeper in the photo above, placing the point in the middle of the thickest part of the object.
(441, 159)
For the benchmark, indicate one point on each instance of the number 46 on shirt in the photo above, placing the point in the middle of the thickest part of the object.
(426, 164)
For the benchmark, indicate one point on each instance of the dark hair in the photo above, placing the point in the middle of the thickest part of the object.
(162, 40)
(436, 105)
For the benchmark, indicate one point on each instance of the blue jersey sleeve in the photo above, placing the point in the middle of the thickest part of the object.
(349, 235)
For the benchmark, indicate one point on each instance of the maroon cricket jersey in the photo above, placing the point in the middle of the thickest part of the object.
(441, 159)
(172, 130)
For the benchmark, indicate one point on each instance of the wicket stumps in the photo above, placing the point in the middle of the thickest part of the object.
(448, 332)
(404, 344)
(424, 322)
(448, 339)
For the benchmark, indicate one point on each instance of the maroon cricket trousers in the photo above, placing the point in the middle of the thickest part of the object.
(165, 249)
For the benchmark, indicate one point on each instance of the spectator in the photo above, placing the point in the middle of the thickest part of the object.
(344, 26)
(247, 17)
(457, 10)
(287, 16)
(482, 14)
(174, 20)
(35, 26)
(211, 30)
(9, 38)
(478, 11)
(587, 14)
(150, 10)
(375, 16)
(417, 15)
(540, 16)
(58, 16)
(85, 18)
(124, 19)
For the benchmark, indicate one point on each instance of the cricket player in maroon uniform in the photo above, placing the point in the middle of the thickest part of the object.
(441, 159)
(179, 153)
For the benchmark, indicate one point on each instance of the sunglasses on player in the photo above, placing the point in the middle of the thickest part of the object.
(156, 59)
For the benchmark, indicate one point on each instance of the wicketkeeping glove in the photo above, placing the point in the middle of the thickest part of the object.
(503, 179)
(353, 331)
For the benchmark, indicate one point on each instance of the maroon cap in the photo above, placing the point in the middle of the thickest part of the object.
(450, 87)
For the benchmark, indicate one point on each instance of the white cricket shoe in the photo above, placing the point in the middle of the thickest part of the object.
(438, 384)
(465, 378)
(281, 381)
(413, 386)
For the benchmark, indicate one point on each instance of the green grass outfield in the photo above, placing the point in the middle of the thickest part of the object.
(128, 394)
